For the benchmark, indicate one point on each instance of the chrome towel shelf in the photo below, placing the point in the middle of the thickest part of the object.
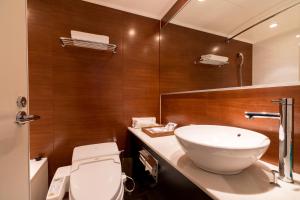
(88, 44)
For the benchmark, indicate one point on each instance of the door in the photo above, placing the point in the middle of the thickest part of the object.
(14, 138)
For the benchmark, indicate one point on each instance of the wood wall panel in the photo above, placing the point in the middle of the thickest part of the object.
(141, 56)
(228, 107)
(181, 46)
(87, 96)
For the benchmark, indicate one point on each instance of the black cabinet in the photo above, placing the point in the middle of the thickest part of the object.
(171, 184)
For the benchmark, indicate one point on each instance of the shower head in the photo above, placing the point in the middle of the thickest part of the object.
(241, 55)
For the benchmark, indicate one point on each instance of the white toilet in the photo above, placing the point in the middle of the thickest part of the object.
(95, 174)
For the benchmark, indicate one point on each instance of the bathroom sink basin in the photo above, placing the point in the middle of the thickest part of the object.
(222, 149)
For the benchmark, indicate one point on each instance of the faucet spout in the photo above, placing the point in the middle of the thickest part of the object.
(253, 115)
(286, 131)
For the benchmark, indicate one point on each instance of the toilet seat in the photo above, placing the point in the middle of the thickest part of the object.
(96, 175)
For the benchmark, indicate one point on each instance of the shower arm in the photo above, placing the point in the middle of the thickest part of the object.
(261, 21)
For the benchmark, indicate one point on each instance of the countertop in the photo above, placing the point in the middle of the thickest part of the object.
(252, 183)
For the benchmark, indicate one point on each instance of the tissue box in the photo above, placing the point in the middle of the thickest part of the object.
(140, 122)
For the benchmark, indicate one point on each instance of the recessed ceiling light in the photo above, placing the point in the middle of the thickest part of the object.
(298, 36)
(273, 25)
(201, 0)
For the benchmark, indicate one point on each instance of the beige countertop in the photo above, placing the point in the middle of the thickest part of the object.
(252, 183)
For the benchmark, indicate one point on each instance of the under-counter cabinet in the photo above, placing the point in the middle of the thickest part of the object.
(169, 183)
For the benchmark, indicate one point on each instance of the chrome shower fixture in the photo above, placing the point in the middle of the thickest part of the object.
(241, 55)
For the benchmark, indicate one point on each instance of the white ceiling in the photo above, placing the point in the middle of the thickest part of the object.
(288, 21)
(221, 17)
(227, 17)
(150, 8)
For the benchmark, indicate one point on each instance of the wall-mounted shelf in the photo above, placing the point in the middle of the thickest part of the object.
(88, 44)
(217, 63)
(212, 59)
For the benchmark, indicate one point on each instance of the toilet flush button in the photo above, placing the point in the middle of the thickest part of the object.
(59, 184)
(57, 189)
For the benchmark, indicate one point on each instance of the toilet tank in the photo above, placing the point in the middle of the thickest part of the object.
(94, 150)
(38, 179)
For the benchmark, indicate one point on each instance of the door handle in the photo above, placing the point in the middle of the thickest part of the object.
(22, 118)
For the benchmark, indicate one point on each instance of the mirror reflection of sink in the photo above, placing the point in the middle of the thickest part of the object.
(222, 149)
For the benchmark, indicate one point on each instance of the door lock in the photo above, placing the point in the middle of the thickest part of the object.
(21, 102)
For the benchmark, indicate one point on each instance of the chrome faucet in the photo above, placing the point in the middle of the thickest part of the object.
(286, 130)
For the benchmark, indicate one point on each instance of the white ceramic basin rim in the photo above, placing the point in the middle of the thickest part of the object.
(222, 149)
(223, 137)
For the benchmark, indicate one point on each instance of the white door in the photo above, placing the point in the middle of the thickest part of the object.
(14, 138)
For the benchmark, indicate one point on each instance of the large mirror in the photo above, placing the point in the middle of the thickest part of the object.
(231, 43)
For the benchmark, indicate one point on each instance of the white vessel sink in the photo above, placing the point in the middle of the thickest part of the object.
(222, 149)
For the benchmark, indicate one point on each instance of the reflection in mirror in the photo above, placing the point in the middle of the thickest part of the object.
(268, 53)
(276, 48)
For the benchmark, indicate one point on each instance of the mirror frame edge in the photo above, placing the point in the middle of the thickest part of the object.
(172, 12)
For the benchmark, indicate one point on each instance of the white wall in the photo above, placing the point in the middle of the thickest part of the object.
(277, 59)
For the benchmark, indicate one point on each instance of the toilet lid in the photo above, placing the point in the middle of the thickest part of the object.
(96, 180)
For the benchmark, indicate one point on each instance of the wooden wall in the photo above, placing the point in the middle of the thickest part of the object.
(181, 46)
(87, 96)
(228, 107)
